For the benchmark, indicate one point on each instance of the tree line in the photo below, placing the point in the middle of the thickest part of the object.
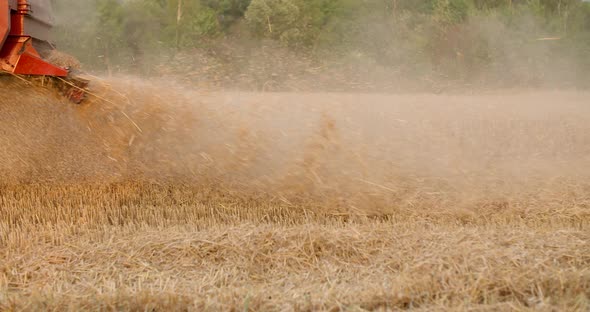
(448, 36)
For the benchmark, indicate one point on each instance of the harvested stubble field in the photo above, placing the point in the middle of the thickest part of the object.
(158, 198)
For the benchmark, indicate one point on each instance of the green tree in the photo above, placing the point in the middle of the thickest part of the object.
(195, 22)
(110, 31)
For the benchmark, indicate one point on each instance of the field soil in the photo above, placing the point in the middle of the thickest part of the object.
(153, 196)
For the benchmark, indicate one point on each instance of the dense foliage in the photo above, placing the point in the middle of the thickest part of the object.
(456, 38)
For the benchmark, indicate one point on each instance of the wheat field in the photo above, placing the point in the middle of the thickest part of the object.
(158, 198)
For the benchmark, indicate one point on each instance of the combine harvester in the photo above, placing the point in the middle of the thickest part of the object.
(25, 48)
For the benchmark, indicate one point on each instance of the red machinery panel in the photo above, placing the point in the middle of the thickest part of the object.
(17, 54)
(4, 21)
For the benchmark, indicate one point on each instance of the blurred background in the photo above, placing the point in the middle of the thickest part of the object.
(334, 45)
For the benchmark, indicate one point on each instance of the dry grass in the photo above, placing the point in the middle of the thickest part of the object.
(283, 202)
(270, 266)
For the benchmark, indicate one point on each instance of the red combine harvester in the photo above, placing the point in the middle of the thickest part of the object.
(24, 45)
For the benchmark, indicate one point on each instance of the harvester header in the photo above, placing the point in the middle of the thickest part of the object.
(24, 44)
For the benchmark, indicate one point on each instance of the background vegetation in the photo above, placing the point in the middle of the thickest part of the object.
(461, 42)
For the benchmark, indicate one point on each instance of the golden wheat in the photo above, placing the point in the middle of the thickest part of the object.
(145, 199)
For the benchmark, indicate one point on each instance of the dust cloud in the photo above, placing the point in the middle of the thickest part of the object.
(258, 178)
(347, 150)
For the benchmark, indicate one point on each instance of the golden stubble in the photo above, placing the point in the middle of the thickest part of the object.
(155, 196)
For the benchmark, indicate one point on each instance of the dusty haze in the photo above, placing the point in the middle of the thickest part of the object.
(493, 145)
(352, 186)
